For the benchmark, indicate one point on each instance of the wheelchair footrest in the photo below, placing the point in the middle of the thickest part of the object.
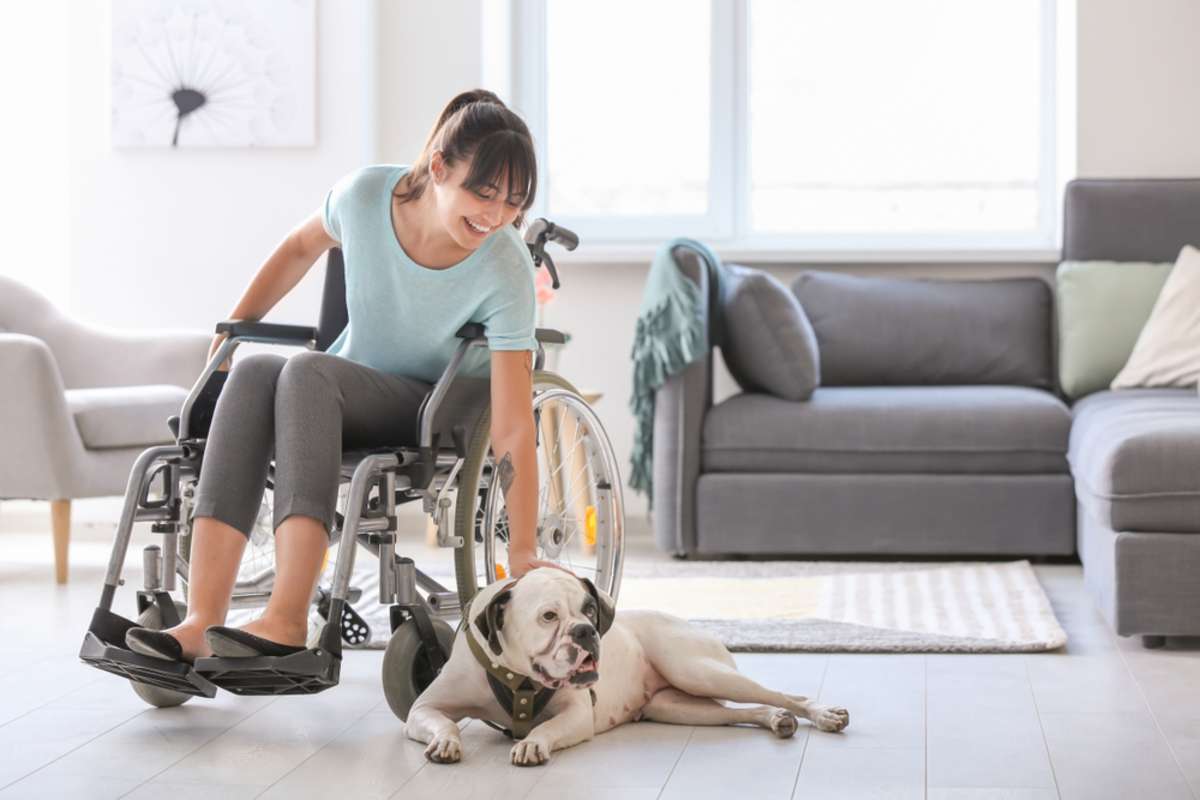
(307, 672)
(176, 676)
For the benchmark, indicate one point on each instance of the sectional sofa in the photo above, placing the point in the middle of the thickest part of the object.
(938, 429)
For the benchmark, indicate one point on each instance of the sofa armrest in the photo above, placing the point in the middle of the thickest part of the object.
(42, 446)
(94, 357)
(679, 409)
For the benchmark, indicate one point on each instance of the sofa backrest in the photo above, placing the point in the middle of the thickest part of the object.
(1130, 219)
(896, 332)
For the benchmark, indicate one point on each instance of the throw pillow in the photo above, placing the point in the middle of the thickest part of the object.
(1102, 306)
(1167, 352)
(769, 345)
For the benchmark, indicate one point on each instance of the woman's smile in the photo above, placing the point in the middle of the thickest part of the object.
(476, 229)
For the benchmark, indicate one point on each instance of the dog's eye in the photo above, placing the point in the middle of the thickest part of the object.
(549, 616)
(589, 611)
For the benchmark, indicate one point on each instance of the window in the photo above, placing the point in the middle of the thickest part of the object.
(800, 125)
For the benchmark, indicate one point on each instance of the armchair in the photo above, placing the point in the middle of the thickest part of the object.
(78, 403)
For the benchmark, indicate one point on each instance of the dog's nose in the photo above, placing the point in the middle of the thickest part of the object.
(586, 637)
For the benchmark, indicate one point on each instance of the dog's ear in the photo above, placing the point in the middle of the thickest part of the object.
(606, 609)
(490, 621)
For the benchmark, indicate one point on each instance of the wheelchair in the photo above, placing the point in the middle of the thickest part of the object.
(450, 471)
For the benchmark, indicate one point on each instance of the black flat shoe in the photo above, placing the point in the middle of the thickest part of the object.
(236, 643)
(156, 644)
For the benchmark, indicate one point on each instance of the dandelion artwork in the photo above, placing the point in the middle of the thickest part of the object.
(213, 73)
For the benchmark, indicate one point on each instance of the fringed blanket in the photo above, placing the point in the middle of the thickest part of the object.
(671, 334)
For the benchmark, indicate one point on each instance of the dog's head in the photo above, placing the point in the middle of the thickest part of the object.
(548, 625)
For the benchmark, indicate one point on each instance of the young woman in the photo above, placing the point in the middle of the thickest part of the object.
(427, 249)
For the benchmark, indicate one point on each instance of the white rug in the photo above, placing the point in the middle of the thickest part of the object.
(855, 606)
(973, 607)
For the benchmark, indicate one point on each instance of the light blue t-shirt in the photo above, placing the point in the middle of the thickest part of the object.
(403, 316)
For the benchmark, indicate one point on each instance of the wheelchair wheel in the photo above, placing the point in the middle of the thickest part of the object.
(406, 668)
(156, 695)
(581, 513)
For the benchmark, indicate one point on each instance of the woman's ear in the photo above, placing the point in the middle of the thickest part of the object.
(606, 609)
(437, 166)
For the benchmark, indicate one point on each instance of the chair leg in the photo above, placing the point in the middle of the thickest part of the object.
(60, 517)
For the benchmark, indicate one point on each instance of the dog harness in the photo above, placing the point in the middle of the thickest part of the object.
(517, 694)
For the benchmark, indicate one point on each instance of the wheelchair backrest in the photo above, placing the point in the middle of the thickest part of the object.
(334, 317)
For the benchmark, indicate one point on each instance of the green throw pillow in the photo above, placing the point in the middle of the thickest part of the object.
(1102, 306)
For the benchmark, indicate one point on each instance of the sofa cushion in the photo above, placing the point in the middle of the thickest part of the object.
(1102, 306)
(124, 416)
(902, 429)
(1135, 456)
(898, 332)
(768, 344)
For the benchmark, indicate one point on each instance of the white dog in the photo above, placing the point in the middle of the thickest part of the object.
(541, 636)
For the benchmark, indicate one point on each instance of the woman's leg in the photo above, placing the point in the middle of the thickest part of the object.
(300, 544)
(216, 552)
(322, 404)
(229, 494)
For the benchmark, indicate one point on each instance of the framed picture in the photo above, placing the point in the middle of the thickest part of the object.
(221, 73)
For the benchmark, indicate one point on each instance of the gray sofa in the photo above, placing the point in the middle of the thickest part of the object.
(938, 430)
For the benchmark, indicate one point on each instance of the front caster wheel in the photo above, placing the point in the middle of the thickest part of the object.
(156, 695)
(407, 670)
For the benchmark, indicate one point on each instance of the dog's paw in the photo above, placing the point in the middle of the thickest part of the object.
(831, 718)
(530, 753)
(783, 723)
(444, 750)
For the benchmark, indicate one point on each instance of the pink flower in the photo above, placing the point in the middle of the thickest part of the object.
(544, 285)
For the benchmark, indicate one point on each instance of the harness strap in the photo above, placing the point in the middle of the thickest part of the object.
(518, 695)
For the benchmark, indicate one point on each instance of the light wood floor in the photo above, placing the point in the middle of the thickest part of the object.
(1102, 719)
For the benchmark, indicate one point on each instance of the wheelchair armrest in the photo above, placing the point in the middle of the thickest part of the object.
(474, 330)
(267, 331)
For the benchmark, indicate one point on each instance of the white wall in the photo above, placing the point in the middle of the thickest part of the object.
(170, 238)
(1139, 88)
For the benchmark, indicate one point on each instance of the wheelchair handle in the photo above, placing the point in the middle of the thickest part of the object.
(542, 231)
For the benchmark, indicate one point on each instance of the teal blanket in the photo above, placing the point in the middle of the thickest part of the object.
(670, 335)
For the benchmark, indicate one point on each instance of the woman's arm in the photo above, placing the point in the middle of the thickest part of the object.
(280, 273)
(513, 450)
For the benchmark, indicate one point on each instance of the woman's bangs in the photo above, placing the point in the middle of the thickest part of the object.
(505, 156)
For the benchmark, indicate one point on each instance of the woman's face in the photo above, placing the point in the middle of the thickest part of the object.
(469, 215)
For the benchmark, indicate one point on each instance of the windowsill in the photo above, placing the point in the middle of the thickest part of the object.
(643, 254)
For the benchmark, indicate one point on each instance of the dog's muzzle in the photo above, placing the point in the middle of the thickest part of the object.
(586, 637)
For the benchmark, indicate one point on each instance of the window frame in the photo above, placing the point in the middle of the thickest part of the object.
(726, 225)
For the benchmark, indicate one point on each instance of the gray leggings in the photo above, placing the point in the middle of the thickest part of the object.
(303, 411)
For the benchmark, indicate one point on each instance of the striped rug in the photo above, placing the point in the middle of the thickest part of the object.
(835, 606)
(854, 606)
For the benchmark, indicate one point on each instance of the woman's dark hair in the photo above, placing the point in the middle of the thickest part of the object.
(477, 125)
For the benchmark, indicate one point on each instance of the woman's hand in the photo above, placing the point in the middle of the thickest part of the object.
(520, 562)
